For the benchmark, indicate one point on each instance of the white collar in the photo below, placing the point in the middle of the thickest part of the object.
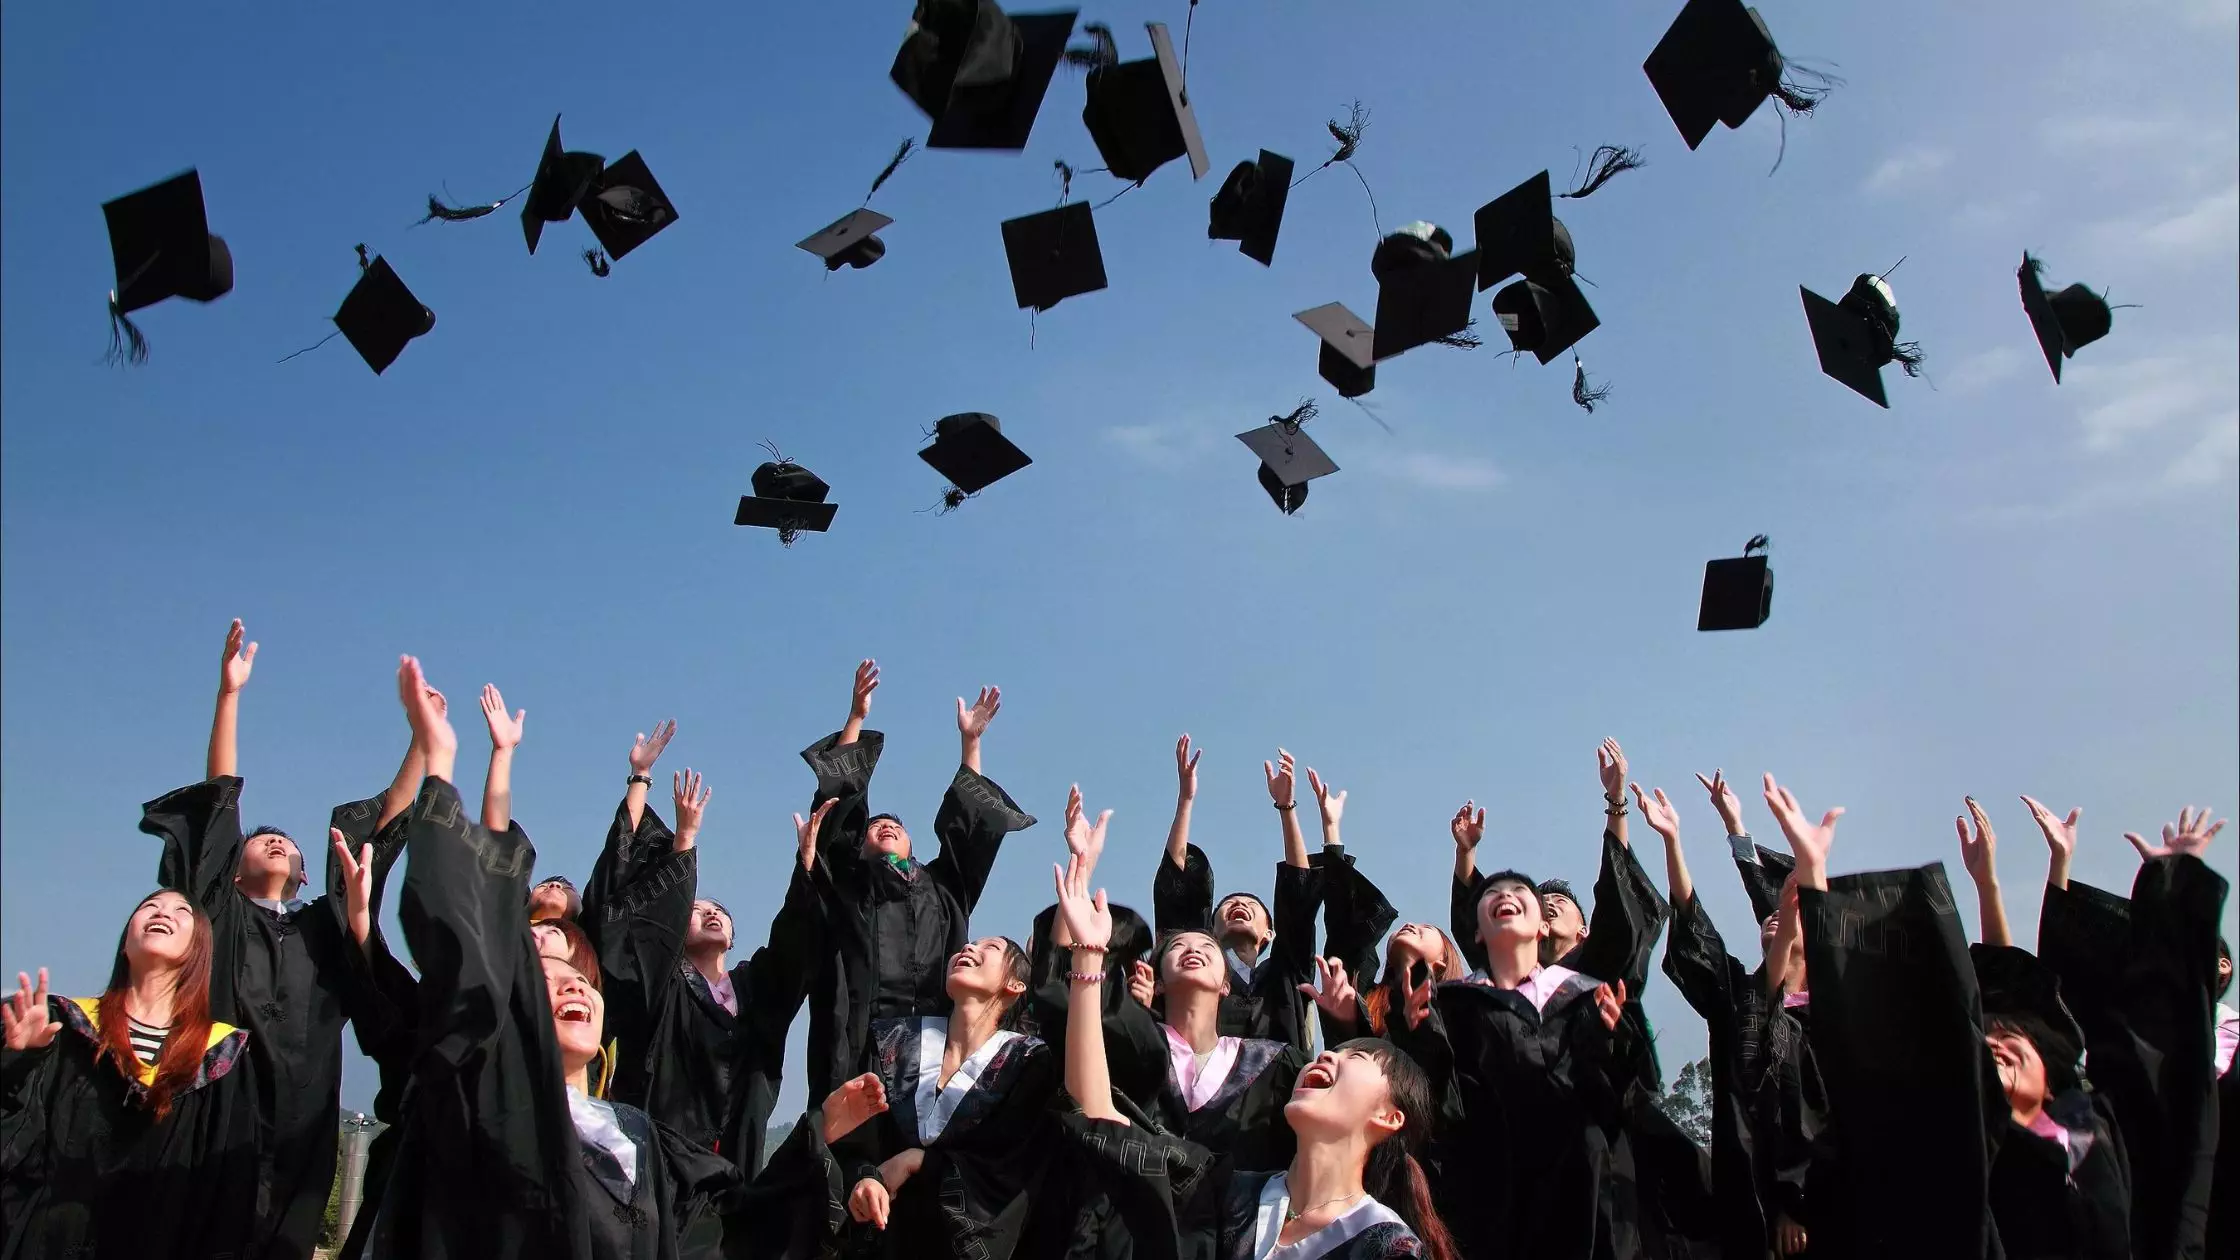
(595, 1123)
(1275, 1200)
(937, 1102)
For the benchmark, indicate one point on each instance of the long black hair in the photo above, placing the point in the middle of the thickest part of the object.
(1393, 1176)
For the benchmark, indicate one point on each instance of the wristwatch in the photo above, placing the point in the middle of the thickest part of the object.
(646, 779)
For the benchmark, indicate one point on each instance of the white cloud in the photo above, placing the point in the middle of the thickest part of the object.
(2212, 223)
(2210, 460)
(1163, 445)
(1440, 472)
(1979, 372)
(1907, 166)
(2112, 130)
(2138, 397)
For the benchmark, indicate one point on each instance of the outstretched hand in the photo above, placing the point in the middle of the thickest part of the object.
(2060, 833)
(1657, 811)
(1610, 764)
(1186, 769)
(846, 1108)
(1468, 828)
(357, 883)
(1332, 804)
(1087, 920)
(1810, 843)
(867, 681)
(240, 658)
(432, 735)
(27, 1019)
(806, 831)
(1332, 990)
(505, 732)
(1979, 853)
(644, 751)
(972, 722)
(690, 794)
(1724, 800)
(2190, 834)
(1083, 840)
(1283, 783)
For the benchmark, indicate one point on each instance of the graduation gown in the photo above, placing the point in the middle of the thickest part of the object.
(289, 981)
(1267, 1003)
(889, 932)
(1355, 916)
(87, 1170)
(692, 1065)
(1725, 995)
(1178, 1201)
(985, 1134)
(1629, 914)
(489, 1164)
(2139, 976)
(1523, 1155)
(1897, 1031)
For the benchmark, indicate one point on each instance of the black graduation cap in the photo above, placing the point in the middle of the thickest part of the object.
(2066, 321)
(1249, 207)
(1053, 255)
(1716, 64)
(1288, 499)
(980, 74)
(787, 498)
(1546, 316)
(160, 238)
(851, 242)
(1737, 593)
(625, 206)
(562, 179)
(1347, 361)
(971, 451)
(1423, 294)
(1858, 336)
(380, 315)
(1519, 234)
(1139, 113)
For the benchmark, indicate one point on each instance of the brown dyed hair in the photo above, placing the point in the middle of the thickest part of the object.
(183, 1046)
(1378, 1000)
(581, 955)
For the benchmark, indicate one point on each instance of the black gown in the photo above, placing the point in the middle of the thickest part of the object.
(1355, 916)
(986, 1137)
(1897, 1031)
(1178, 1201)
(489, 1164)
(1268, 1004)
(1534, 1109)
(1242, 1121)
(1629, 914)
(2139, 976)
(290, 981)
(86, 1170)
(889, 932)
(683, 1058)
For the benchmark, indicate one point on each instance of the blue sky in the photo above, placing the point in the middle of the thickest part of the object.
(1998, 586)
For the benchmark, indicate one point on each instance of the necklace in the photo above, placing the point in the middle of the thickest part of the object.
(1290, 1215)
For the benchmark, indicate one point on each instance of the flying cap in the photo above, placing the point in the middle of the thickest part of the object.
(1716, 64)
(562, 179)
(1858, 336)
(2064, 322)
(1737, 593)
(380, 316)
(980, 74)
(1139, 111)
(160, 240)
(972, 452)
(787, 498)
(1249, 207)
(1053, 255)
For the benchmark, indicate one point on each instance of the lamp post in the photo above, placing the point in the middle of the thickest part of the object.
(357, 1136)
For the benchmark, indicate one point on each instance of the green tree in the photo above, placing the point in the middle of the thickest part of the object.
(1688, 1102)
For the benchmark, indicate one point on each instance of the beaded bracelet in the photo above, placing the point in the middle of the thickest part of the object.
(1085, 977)
(1089, 949)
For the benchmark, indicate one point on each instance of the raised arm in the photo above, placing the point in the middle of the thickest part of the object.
(224, 757)
(1665, 821)
(1283, 791)
(1809, 842)
(859, 703)
(1355, 913)
(644, 752)
(1087, 922)
(843, 763)
(1468, 828)
(1186, 792)
(1610, 764)
(972, 723)
(975, 814)
(2061, 840)
(505, 736)
(1980, 856)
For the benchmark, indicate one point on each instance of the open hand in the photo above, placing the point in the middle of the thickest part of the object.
(1657, 811)
(846, 1108)
(1724, 800)
(805, 833)
(1810, 843)
(1333, 804)
(2060, 833)
(1610, 763)
(357, 883)
(1086, 920)
(1332, 990)
(1083, 840)
(1186, 769)
(867, 681)
(1283, 784)
(431, 727)
(2190, 834)
(26, 1017)
(691, 797)
(1468, 828)
(973, 722)
(644, 751)
(1978, 854)
(240, 657)
(505, 732)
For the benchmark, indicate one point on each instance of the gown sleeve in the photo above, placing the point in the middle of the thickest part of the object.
(795, 1206)
(1696, 962)
(844, 774)
(200, 827)
(621, 865)
(1182, 896)
(1763, 873)
(1629, 915)
(1355, 916)
(25, 1077)
(974, 818)
(1462, 919)
(1165, 1190)
(641, 942)
(465, 945)
(1291, 955)
(777, 973)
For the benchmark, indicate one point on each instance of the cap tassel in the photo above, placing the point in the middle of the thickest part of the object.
(126, 344)
(952, 498)
(365, 263)
(901, 155)
(1299, 416)
(1464, 340)
(1607, 162)
(598, 263)
(1582, 393)
(1799, 93)
(1102, 51)
(1907, 355)
(1065, 178)
(1757, 543)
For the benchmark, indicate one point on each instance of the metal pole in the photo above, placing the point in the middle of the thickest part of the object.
(357, 1135)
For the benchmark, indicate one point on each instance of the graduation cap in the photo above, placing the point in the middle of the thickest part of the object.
(1519, 235)
(161, 240)
(2065, 322)
(1716, 64)
(562, 179)
(850, 242)
(980, 74)
(1249, 207)
(1545, 317)
(787, 498)
(1289, 459)
(1858, 336)
(1139, 111)
(1053, 255)
(380, 315)
(1423, 293)
(972, 452)
(625, 207)
(1347, 361)
(1737, 593)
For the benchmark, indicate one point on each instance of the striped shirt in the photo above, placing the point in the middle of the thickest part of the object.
(147, 1041)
